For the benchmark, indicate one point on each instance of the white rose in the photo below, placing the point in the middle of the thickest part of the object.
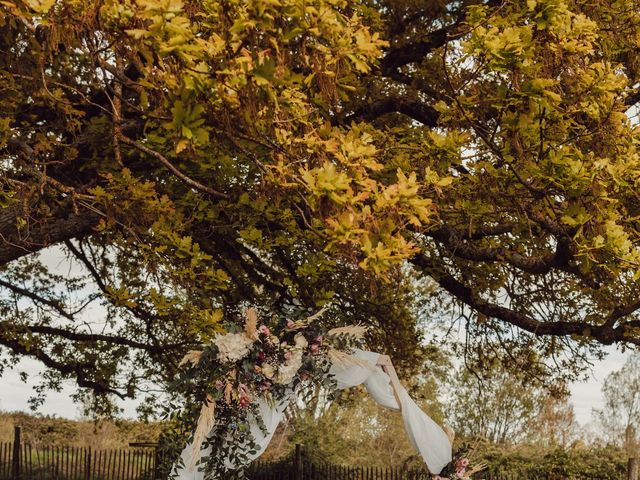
(232, 346)
(287, 371)
(268, 370)
(301, 341)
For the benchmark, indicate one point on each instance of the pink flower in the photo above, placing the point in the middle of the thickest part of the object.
(319, 339)
(291, 324)
(265, 385)
(264, 330)
(314, 348)
(244, 399)
(461, 465)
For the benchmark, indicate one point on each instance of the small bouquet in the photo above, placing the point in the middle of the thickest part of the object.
(461, 467)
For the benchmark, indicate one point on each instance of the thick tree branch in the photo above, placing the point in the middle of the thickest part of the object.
(165, 161)
(76, 370)
(404, 54)
(87, 337)
(483, 231)
(417, 83)
(415, 109)
(414, 52)
(604, 333)
(531, 264)
(632, 98)
(62, 223)
(54, 304)
(560, 259)
(622, 311)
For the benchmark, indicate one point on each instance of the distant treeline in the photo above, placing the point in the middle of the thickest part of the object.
(39, 430)
(523, 461)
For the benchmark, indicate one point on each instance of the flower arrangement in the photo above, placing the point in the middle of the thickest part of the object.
(461, 467)
(222, 381)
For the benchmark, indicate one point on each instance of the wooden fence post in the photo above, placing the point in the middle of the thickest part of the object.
(87, 464)
(632, 469)
(158, 457)
(297, 463)
(15, 458)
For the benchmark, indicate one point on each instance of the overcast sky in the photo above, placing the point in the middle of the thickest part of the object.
(14, 393)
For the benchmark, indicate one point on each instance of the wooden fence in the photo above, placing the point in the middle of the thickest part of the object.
(20, 461)
(300, 468)
(322, 471)
(70, 463)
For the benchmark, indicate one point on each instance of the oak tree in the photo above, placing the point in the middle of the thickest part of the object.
(191, 158)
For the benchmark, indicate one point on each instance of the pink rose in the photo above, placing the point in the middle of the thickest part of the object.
(265, 385)
(464, 462)
(264, 330)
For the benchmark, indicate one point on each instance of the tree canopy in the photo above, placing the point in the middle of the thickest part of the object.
(196, 157)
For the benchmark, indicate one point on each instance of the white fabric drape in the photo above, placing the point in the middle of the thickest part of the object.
(424, 434)
(271, 416)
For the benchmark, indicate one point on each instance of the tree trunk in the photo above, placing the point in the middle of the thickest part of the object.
(632, 470)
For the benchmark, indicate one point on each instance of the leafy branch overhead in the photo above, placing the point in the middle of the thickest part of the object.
(192, 157)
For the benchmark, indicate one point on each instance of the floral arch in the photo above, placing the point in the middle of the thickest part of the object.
(251, 375)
